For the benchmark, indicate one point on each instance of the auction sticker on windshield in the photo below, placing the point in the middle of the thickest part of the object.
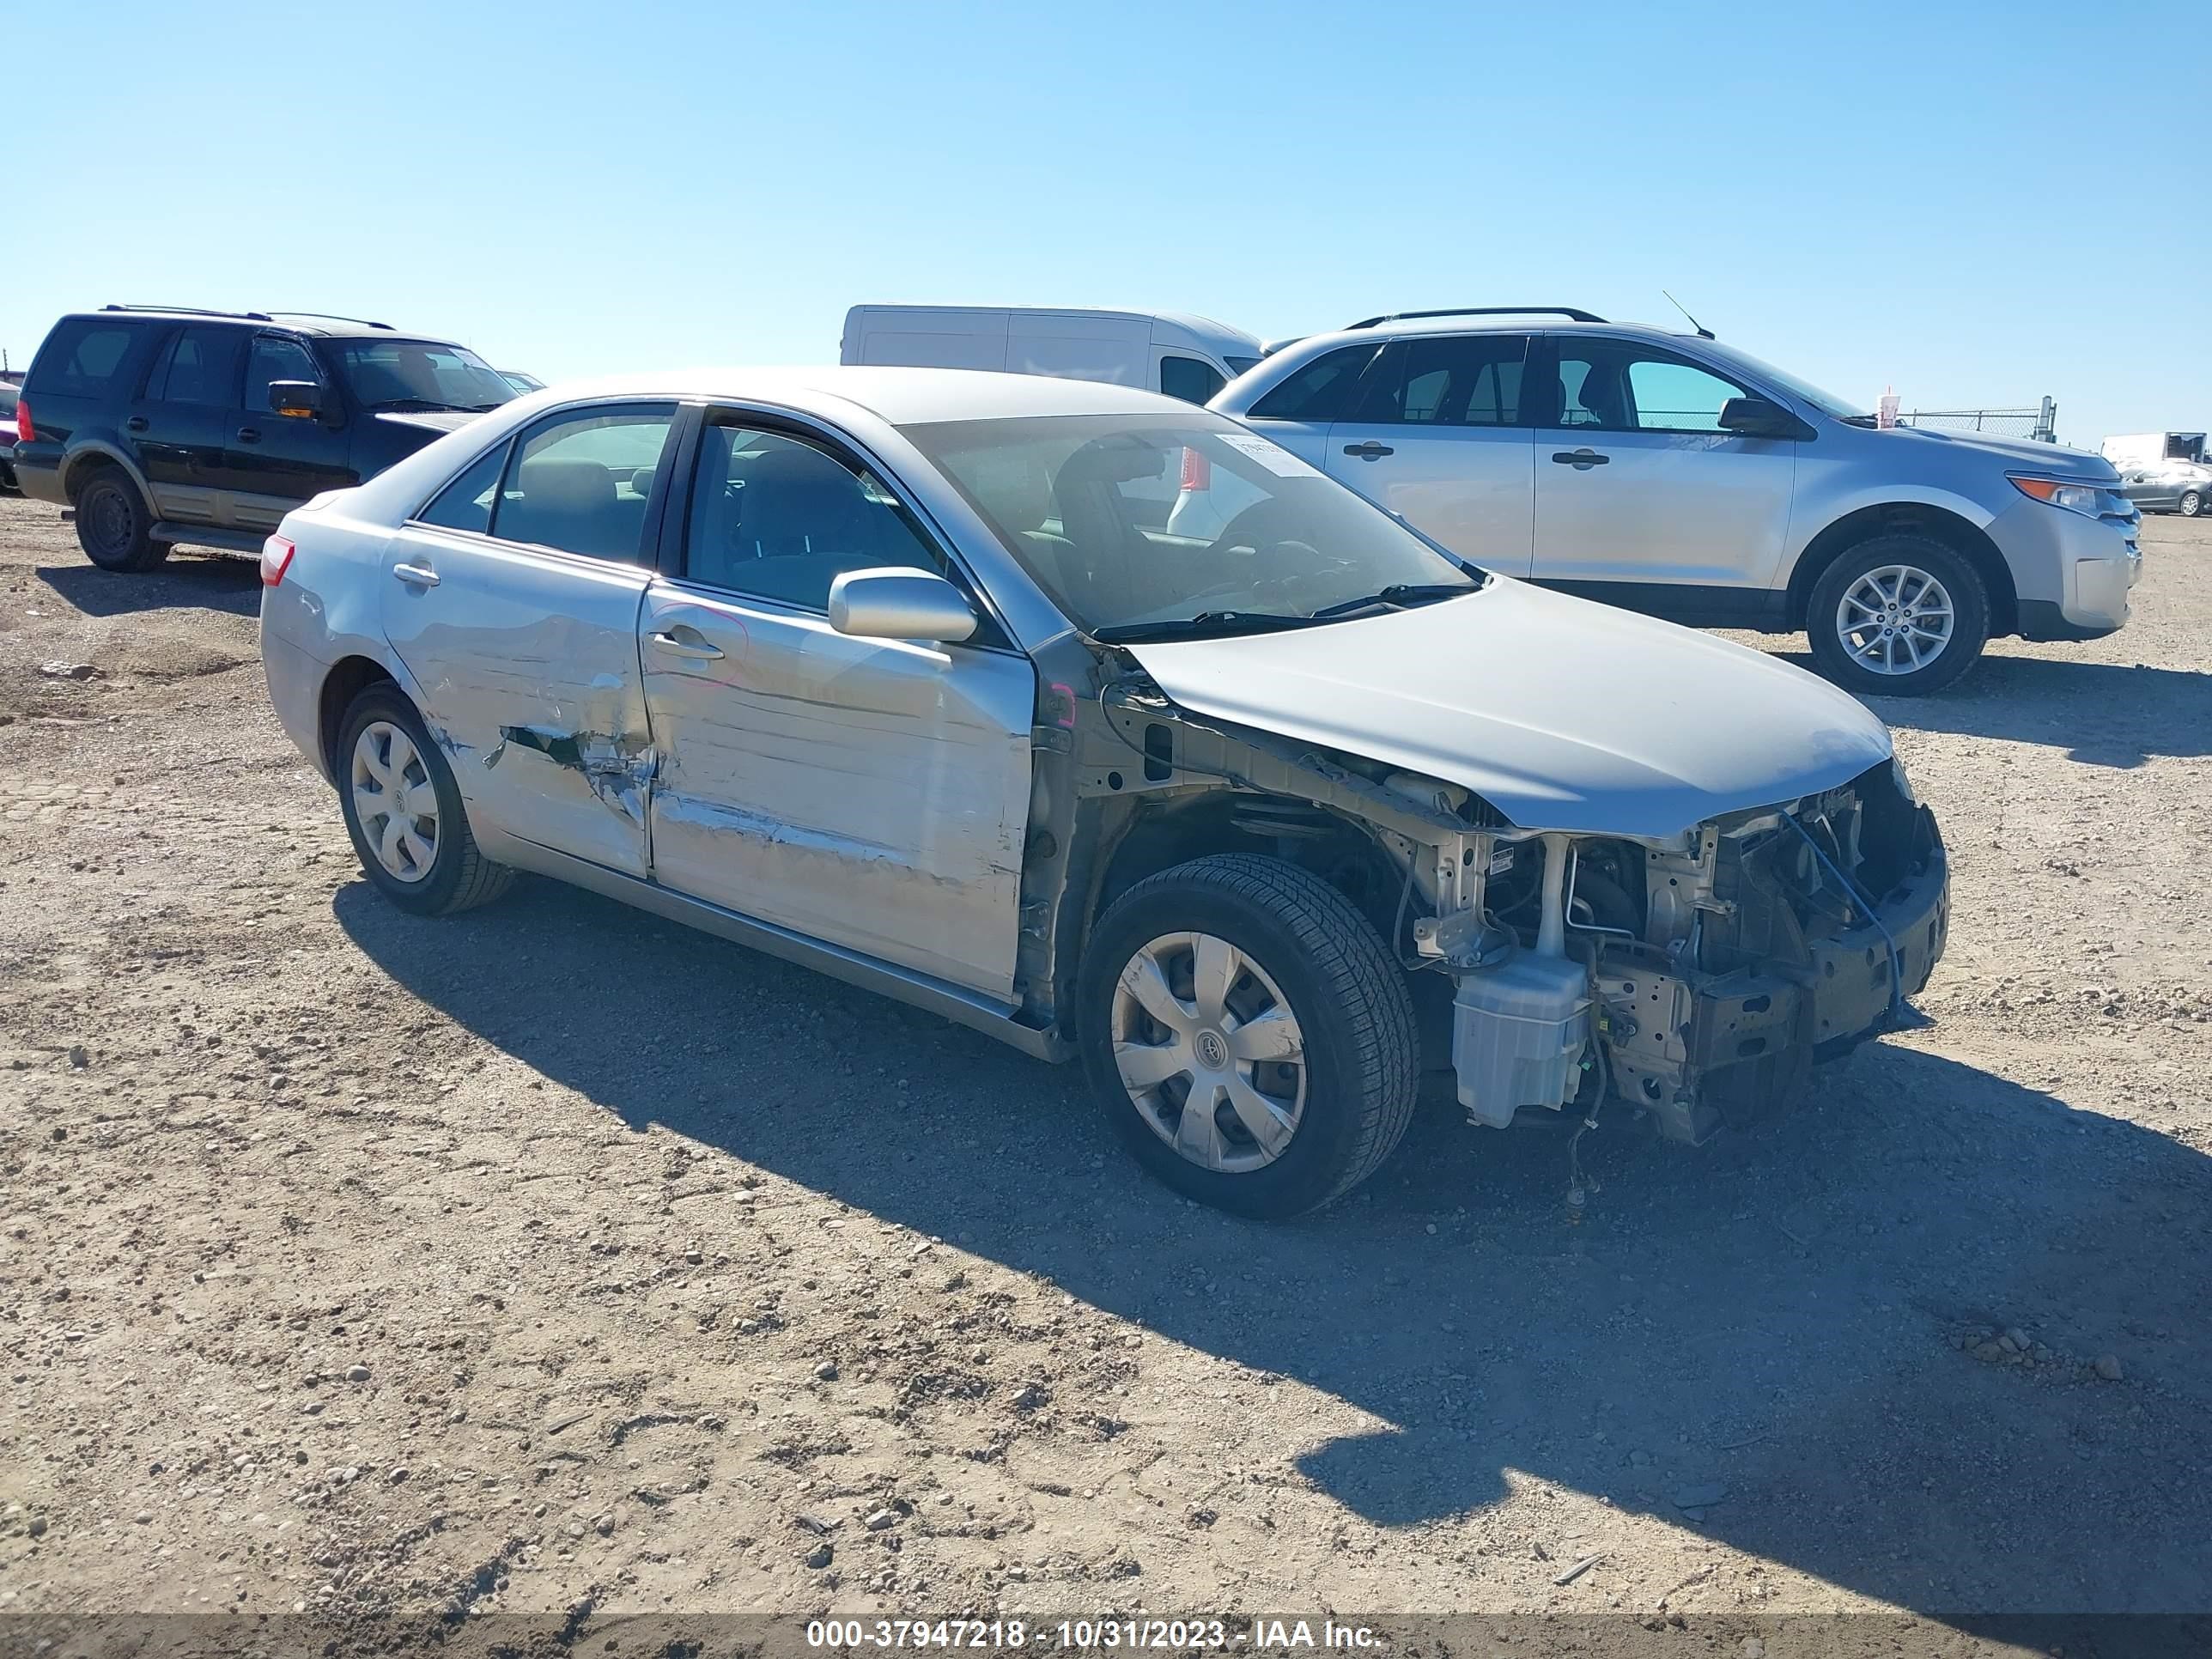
(1276, 459)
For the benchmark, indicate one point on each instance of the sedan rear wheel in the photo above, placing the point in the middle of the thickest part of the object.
(2192, 503)
(404, 811)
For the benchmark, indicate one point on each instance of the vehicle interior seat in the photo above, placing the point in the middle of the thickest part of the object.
(791, 526)
(573, 506)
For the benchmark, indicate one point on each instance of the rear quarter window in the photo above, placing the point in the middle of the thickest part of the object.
(1321, 391)
(82, 357)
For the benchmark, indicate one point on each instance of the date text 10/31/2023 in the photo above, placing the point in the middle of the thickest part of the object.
(1083, 1635)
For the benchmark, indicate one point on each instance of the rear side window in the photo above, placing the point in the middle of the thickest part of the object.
(782, 519)
(192, 368)
(1188, 379)
(580, 483)
(1447, 380)
(1321, 391)
(80, 358)
(275, 358)
(466, 503)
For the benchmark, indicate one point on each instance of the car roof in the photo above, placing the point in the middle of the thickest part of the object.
(1524, 323)
(297, 322)
(900, 397)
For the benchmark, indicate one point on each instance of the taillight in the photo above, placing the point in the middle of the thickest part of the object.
(1197, 469)
(24, 434)
(276, 559)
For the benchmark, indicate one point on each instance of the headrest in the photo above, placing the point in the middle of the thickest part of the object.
(568, 486)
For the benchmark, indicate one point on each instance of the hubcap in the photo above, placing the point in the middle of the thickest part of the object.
(395, 802)
(1210, 1052)
(1896, 619)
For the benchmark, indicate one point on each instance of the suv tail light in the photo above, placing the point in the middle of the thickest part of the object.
(276, 559)
(24, 434)
(1197, 469)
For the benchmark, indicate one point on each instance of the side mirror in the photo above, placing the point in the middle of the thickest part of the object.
(897, 603)
(302, 399)
(1760, 418)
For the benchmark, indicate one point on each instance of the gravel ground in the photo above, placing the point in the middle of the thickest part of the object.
(553, 1257)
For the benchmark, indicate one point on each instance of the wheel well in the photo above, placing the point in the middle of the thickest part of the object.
(345, 682)
(1232, 821)
(80, 471)
(1963, 537)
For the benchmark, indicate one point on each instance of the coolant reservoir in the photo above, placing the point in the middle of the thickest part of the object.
(1518, 1033)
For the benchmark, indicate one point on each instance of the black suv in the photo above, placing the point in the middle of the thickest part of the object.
(161, 424)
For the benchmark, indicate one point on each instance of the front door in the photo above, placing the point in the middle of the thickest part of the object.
(871, 794)
(512, 598)
(1438, 437)
(1636, 483)
(274, 462)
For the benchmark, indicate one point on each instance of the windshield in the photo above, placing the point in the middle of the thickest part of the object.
(419, 374)
(1841, 409)
(1156, 523)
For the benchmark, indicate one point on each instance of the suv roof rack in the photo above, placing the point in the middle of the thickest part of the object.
(330, 317)
(197, 311)
(1480, 311)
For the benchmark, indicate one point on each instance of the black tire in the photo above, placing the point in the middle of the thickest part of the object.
(1970, 616)
(1349, 999)
(113, 522)
(2192, 503)
(458, 876)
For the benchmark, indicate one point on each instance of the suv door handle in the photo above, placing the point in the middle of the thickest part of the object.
(416, 576)
(249, 434)
(135, 423)
(1580, 459)
(1370, 451)
(698, 651)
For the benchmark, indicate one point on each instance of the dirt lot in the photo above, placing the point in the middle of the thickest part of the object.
(553, 1255)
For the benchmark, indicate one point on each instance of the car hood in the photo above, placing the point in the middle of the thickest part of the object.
(429, 420)
(1562, 714)
(2054, 460)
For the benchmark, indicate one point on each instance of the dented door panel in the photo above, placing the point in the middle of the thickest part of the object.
(873, 793)
(527, 659)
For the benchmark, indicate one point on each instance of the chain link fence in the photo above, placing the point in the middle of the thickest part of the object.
(2041, 423)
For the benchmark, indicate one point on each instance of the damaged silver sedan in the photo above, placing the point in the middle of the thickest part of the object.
(919, 678)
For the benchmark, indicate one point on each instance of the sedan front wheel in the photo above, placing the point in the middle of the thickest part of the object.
(1248, 1035)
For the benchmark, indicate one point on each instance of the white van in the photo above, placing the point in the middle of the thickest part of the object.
(1186, 357)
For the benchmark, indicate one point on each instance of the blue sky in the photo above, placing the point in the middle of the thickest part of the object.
(1979, 203)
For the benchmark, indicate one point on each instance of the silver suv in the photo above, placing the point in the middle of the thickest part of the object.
(899, 674)
(1670, 474)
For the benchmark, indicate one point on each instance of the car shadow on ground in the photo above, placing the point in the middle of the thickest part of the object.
(2101, 713)
(186, 580)
(1773, 1315)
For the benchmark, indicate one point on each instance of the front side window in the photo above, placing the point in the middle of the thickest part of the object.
(80, 358)
(1613, 387)
(275, 358)
(1319, 392)
(191, 368)
(780, 519)
(1447, 380)
(581, 483)
(1188, 379)
(1072, 498)
(419, 374)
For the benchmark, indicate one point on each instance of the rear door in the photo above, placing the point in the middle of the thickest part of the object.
(872, 793)
(1438, 436)
(513, 598)
(1638, 487)
(273, 462)
(178, 421)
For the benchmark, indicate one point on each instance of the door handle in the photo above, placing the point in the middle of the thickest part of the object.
(249, 434)
(416, 576)
(135, 423)
(1580, 459)
(700, 652)
(1370, 451)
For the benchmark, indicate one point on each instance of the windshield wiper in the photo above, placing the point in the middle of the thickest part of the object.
(417, 406)
(1398, 595)
(1205, 625)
